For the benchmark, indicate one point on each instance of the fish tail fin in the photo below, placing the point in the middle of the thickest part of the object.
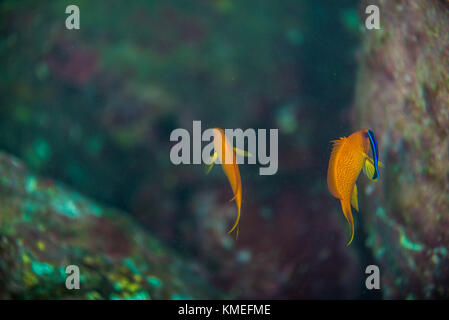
(346, 207)
(236, 223)
(236, 193)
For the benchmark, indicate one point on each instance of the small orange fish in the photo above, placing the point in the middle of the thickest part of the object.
(348, 158)
(225, 152)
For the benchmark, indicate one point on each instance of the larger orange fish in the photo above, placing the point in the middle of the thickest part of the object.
(225, 152)
(348, 158)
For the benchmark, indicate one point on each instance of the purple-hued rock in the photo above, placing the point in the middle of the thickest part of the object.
(403, 96)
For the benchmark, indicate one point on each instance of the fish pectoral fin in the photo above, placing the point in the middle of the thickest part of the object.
(213, 159)
(354, 199)
(368, 168)
(367, 157)
(242, 153)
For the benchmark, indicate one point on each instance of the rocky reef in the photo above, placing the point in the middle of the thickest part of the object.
(403, 95)
(45, 226)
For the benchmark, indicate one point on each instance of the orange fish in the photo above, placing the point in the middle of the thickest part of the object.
(348, 158)
(228, 160)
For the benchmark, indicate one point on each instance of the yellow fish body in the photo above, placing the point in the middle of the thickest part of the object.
(226, 154)
(348, 158)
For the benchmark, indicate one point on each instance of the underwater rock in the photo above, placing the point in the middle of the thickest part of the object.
(403, 95)
(45, 227)
(280, 252)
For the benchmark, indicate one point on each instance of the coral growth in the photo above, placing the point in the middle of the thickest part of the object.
(45, 227)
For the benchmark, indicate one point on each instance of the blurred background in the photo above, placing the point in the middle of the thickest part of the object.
(93, 109)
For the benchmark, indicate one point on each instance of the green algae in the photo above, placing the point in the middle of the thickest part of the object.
(95, 210)
(31, 184)
(42, 268)
(142, 295)
(180, 297)
(409, 245)
(154, 281)
(66, 207)
(93, 295)
(403, 239)
(129, 262)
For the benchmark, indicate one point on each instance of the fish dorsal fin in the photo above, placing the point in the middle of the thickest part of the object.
(336, 145)
(354, 199)
(331, 178)
(338, 142)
